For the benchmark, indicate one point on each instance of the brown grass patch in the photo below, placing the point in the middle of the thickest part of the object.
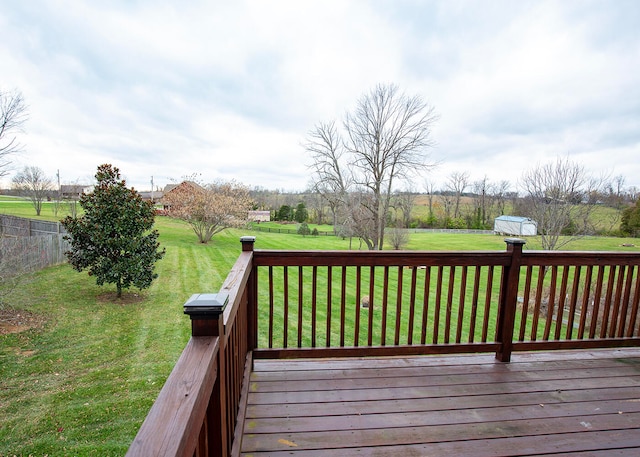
(19, 320)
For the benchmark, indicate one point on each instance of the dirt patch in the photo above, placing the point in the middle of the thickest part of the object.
(19, 320)
(127, 298)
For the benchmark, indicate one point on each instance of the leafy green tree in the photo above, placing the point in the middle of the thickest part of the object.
(630, 223)
(304, 229)
(285, 213)
(301, 214)
(114, 239)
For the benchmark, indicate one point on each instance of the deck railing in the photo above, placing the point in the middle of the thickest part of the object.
(345, 303)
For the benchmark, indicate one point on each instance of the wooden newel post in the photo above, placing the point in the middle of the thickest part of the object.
(509, 299)
(252, 296)
(207, 319)
(205, 311)
(247, 243)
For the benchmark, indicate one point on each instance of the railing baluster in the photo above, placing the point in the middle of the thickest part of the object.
(314, 304)
(385, 303)
(536, 311)
(597, 296)
(412, 304)
(573, 303)
(329, 296)
(561, 301)
(436, 314)
(372, 276)
(271, 313)
(356, 331)
(343, 306)
(634, 308)
(300, 304)
(396, 338)
(425, 305)
(607, 301)
(285, 326)
(584, 310)
(463, 290)
(551, 302)
(487, 305)
(625, 301)
(474, 304)
(447, 326)
(525, 303)
(617, 301)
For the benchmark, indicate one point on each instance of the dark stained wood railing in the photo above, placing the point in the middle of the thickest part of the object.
(196, 411)
(323, 304)
(384, 303)
(345, 303)
(578, 300)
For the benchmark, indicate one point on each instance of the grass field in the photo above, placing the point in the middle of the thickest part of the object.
(82, 379)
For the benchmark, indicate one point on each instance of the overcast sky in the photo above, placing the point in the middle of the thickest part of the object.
(230, 89)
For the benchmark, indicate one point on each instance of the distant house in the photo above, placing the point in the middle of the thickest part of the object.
(515, 225)
(153, 196)
(259, 216)
(74, 191)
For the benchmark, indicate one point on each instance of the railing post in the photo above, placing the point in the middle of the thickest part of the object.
(509, 299)
(252, 297)
(206, 312)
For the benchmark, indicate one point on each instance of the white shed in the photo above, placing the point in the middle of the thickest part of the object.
(515, 225)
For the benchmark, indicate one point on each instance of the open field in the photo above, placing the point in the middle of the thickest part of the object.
(81, 380)
(24, 208)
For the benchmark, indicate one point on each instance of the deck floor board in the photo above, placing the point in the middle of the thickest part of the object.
(562, 403)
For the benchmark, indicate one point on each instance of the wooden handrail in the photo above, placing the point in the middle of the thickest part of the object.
(196, 411)
(176, 419)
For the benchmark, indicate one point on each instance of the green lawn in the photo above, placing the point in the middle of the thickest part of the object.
(82, 383)
(23, 207)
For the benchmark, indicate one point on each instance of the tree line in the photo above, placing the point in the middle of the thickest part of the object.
(364, 174)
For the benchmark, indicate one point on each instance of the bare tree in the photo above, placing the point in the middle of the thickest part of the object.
(330, 178)
(359, 218)
(398, 237)
(429, 187)
(32, 182)
(210, 209)
(456, 184)
(500, 193)
(386, 139)
(558, 196)
(13, 115)
(404, 201)
(482, 201)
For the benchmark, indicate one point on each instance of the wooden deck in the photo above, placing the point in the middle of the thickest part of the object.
(561, 403)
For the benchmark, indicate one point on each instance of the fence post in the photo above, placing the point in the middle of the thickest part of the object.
(252, 296)
(508, 299)
(206, 312)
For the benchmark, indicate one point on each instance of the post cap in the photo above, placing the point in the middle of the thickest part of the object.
(514, 241)
(206, 305)
(247, 242)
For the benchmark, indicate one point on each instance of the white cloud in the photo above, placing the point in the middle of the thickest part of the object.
(230, 89)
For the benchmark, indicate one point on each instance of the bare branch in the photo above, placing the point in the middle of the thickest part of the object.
(13, 115)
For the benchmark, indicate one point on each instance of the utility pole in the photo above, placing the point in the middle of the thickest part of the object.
(152, 190)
